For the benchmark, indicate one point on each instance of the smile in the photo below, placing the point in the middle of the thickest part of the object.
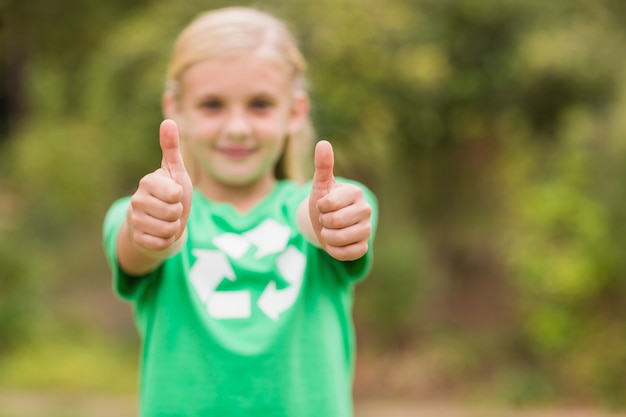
(236, 153)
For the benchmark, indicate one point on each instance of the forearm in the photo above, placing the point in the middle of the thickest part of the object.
(304, 223)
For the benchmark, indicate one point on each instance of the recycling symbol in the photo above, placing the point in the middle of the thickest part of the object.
(213, 266)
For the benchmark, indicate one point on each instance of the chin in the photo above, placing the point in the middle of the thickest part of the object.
(239, 181)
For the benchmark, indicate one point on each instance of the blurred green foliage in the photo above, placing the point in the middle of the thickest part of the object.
(491, 131)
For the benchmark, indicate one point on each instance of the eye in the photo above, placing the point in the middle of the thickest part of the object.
(261, 104)
(212, 104)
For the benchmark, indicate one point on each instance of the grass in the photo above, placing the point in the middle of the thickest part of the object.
(50, 404)
(65, 404)
(68, 377)
(74, 364)
(88, 376)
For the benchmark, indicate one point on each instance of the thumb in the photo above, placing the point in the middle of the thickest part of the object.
(323, 182)
(323, 179)
(174, 165)
(172, 160)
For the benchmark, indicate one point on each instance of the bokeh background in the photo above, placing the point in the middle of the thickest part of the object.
(493, 133)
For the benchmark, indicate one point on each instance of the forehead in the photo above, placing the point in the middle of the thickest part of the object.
(238, 74)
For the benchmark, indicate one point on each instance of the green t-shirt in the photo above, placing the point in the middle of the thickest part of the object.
(249, 319)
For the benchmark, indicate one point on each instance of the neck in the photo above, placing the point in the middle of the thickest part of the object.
(242, 197)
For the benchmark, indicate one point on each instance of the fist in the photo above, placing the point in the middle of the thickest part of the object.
(339, 213)
(160, 207)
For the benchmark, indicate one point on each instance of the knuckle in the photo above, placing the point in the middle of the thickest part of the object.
(352, 190)
(136, 220)
(168, 229)
(173, 212)
(354, 251)
(156, 243)
(137, 200)
(328, 236)
(348, 252)
(362, 248)
(367, 211)
(356, 191)
(146, 181)
(335, 252)
(335, 237)
(322, 204)
(138, 238)
(161, 244)
(367, 228)
(341, 253)
(174, 192)
(329, 220)
(331, 200)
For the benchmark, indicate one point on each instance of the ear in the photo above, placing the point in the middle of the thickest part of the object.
(299, 111)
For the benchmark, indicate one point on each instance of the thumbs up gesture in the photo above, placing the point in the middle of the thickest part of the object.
(339, 213)
(160, 207)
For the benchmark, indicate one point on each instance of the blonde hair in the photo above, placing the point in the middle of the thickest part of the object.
(235, 30)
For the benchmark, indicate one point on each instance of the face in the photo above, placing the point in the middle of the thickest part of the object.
(235, 114)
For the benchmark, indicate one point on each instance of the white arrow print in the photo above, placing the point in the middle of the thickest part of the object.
(273, 301)
(233, 244)
(208, 271)
(269, 237)
(206, 274)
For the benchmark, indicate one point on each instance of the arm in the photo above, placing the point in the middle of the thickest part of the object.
(155, 226)
(336, 216)
(304, 223)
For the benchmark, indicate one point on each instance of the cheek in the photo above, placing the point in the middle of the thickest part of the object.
(201, 129)
(275, 127)
(185, 125)
(279, 148)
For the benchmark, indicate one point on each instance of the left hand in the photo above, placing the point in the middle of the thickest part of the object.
(339, 213)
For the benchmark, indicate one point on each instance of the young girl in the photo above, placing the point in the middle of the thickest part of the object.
(242, 283)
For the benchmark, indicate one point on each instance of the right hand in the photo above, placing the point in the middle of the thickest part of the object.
(160, 207)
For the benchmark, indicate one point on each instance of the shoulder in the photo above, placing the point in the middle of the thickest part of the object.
(290, 193)
(286, 187)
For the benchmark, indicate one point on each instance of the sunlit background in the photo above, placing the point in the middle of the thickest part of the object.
(493, 133)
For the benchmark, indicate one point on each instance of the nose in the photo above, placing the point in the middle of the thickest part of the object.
(237, 125)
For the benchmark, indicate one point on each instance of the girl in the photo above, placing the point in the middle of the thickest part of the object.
(242, 283)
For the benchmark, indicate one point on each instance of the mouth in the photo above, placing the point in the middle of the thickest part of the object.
(236, 153)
